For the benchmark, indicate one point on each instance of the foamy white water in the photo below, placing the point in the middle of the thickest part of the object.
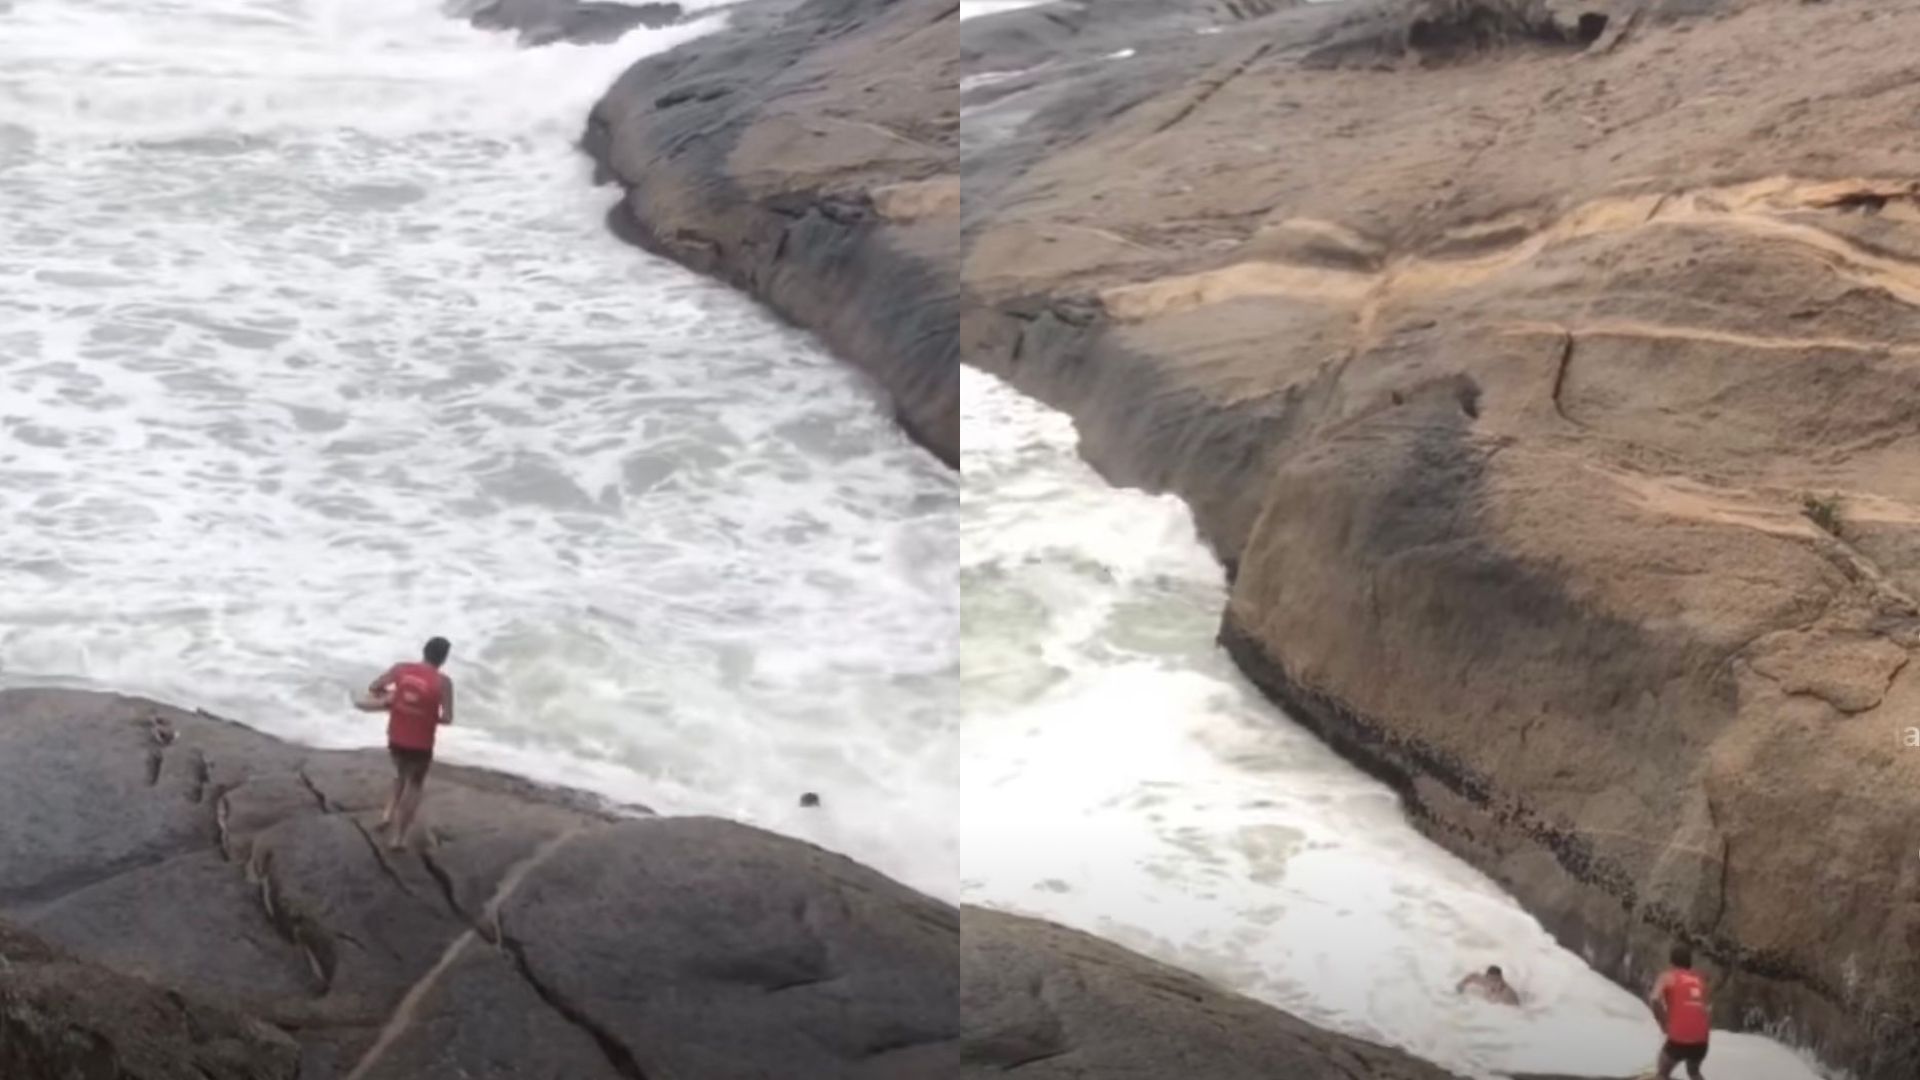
(973, 9)
(1122, 777)
(313, 344)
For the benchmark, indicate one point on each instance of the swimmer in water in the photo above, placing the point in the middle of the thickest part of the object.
(1491, 984)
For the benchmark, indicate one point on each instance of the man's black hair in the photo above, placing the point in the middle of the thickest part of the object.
(1682, 955)
(1494, 970)
(436, 651)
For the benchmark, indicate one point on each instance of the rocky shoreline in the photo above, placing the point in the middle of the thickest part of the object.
(809, 155)
(232, 888)
(754, 156)
(1541, 373)
(1057, 1004)
(184, 898)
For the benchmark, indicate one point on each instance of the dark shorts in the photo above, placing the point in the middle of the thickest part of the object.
(411, 764)
(1685, 1053)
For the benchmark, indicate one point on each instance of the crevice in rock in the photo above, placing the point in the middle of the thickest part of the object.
(1894, 675)
(517, 873)
(202, 776)
(796, 984)
(1720, 908)
(221, 812)
(1211, 87)
(445, 880)
(616, 1052)
(294, 925)
(380, 857)
(1036, 1059)
(402, 1016)
(1560, 378)
(319, 797)
(900, 1042)
(1871, 202)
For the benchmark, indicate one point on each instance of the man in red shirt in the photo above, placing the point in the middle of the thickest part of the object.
(1680, 1003)
(419, 699)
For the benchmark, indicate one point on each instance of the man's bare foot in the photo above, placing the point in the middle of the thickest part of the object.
(398, 843)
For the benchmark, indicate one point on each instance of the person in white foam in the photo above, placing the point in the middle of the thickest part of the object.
(1490, 984)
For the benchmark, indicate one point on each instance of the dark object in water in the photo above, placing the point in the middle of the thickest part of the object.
(809, 799)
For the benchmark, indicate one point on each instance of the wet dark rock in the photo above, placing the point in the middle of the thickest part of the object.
(530, 932)
(61, 1017)
(1056, 1004)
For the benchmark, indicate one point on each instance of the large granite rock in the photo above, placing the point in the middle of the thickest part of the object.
(539, 934)
(61, 1019)
(1056, 1004)
(1549, 384)
(809, 155)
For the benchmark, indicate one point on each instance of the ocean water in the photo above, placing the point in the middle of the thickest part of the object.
(973, 9)
(1120, 776)
(313, 344)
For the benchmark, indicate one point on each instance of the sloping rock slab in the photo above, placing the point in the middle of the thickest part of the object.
(61, 1018)
(1056, 1004)
(537, 934)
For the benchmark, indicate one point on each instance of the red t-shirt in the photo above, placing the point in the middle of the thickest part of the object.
(413, 713)
(1688, 1018)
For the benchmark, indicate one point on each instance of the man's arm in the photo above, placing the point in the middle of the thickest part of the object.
(380, 685)
(446, 699)
(1657, 1000)
(1461, 987)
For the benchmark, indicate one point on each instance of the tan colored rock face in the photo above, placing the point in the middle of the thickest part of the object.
(1560, 414)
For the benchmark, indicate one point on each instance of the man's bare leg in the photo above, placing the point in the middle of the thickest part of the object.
(1666, 1065)
(1693, 1072)
(393, 801)
(409, 806)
